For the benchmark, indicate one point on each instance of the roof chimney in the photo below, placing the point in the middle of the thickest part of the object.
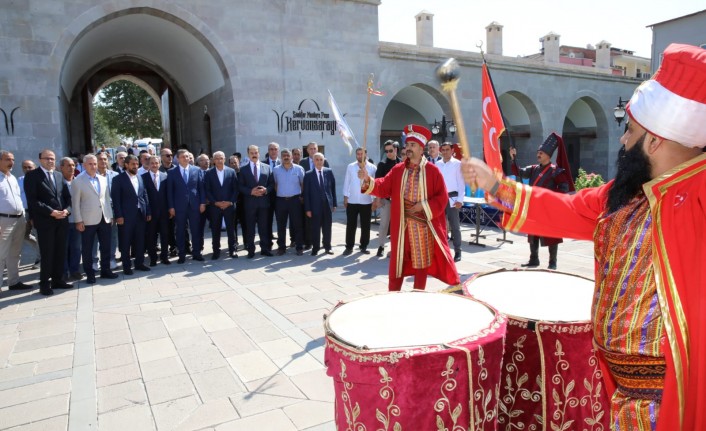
(550, 47)
(425, 28)
(494, 38)
(603, 55)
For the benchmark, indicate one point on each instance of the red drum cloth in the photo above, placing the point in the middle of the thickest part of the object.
(551, 376)
(447, 386)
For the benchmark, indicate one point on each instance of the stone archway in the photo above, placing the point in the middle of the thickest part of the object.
(585, 135)
(191, 65)
(414, 104)
(523, 126)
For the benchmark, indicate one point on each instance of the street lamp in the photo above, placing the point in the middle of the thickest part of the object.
(619, 111)
(443, 128)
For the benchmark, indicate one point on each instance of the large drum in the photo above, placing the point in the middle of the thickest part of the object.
(415, 361)
(551, 376)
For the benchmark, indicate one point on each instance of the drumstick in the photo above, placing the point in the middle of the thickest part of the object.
(447, 72)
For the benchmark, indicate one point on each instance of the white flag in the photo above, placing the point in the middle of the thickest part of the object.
(343, 129)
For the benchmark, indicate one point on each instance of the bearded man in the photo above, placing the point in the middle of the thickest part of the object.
(648, 228)
(418, 215)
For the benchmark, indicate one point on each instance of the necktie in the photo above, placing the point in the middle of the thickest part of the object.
(321, 180)
(254, 168)
(183, 175)
(156, 182)
(50, 174)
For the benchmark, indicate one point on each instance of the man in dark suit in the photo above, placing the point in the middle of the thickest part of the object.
(156, 184)
(221, 184)
(186, 199)
(257, 184)
(320, 203)
(307, 162)
(47, 200)
(272, 159)
(167, 164)
(132, 212)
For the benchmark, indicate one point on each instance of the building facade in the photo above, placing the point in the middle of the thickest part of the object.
(228, 74)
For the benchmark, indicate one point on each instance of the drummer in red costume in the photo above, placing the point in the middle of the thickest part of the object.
(648, 226)
(418, 219)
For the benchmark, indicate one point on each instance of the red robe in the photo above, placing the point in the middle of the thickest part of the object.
(442, 265)
(678, 208)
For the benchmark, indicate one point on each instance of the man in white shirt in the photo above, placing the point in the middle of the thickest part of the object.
(451, 170)
(357, 204)
(12, 222)
(30, 232)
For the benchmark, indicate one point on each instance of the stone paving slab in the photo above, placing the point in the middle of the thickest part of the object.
(225, 345)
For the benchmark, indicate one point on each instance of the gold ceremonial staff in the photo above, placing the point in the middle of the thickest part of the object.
(367, 111)
(447, 72)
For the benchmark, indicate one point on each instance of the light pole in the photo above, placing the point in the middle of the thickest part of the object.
(443, 128)
(619, 111)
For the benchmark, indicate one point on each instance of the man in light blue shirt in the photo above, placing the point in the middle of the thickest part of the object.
(288, 204)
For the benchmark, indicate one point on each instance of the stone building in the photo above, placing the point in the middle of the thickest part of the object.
(227, 74)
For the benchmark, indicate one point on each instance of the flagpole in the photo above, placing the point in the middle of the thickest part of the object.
(367, 112)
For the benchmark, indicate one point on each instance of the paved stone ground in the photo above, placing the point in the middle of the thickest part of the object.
(230, 345)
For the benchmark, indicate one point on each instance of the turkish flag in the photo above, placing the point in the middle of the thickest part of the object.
(493, 125)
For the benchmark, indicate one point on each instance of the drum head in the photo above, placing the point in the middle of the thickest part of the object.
(403, 319)
(535, 295)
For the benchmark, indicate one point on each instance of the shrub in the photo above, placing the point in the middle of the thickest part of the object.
(585, 180)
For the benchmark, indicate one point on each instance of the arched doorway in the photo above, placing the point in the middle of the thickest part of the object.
(415, 104)
(523, 126)
(585, 135)
(174, 62)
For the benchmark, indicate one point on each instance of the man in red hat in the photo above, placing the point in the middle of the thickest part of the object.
(547, 175)
(648, 225)
(418, 217)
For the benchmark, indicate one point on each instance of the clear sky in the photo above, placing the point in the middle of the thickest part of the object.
(460, 24)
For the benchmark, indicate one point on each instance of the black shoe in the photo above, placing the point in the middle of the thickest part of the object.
(110, 275)
(552, 266)
(381, 251)
(127, 271)
(329, 251)
(347, 251)
(266, 253)
(153, 262)
(457, 256)
(91, 279)
(531, 264)
(181, 260)
(198, 258)
(314, 251)
(233, 254)
(216, 255)
(46, 291)
(142, 267)
(364, 251)
(251, 254)
(307, 247)
(281, 252)
(19, 286)
(172, 253)
(62, 285)
(165, 261)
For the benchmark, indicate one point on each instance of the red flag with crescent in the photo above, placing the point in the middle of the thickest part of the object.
(493, 125)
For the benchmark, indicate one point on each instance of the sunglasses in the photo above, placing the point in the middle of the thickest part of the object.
(389, 151)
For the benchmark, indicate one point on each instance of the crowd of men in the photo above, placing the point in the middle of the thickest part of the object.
(85, 216)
